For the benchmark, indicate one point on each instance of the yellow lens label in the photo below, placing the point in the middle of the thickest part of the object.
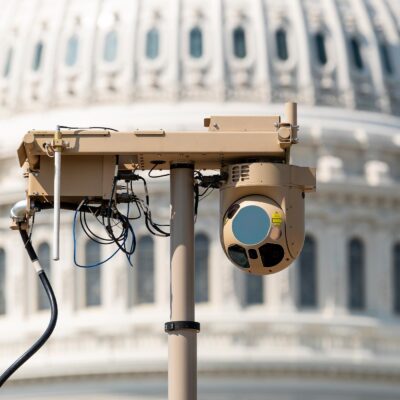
(276, 219)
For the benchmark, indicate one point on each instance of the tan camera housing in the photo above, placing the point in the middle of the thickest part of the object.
(277, 191)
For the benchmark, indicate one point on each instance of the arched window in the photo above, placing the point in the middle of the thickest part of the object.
(44, 259)
(71, 55)
(281, 44)
(202, 249)
(386, 59)
(152, 44)
(396, 278)
(2, 282)
(239, 42)
(356, 275)
(37, 56)
(196, 42)
(254, 289)
(307, 275)
(320, 46)
(356, 53)
(145, 270)
(8, 62)
(110, 50)
(92, 275)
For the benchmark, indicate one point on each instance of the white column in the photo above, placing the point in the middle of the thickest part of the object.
(335, 23)
(218, 48)
(280, 290)
(374, 57)
(17, 279)
(305, 75)
(378, 270)
(327, 268)
(114, 280)
(333, 255)
(162, 273)
(262, 73)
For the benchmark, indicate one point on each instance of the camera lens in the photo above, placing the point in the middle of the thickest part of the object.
(251, 225)
(238, 256)
(271, 254)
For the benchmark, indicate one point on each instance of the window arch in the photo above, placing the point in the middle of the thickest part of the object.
(386, 58)
(202, 250)
(356, 275)
(307, 275)
(281, 44)
(44, 258)
(110, 50)
(37, 56)
(8, 62)
(254, 289)
(320, 45)
(396, 278)
(357, 58)
(196, 42)
(145, 270)
(152, 44)
(3, 304)
(92, 275)
(71, 54)
(239, 42)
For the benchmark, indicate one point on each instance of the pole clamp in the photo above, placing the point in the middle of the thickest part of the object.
(173, 326)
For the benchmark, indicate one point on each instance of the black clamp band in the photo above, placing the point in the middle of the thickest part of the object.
(182, 165)
(180, 325)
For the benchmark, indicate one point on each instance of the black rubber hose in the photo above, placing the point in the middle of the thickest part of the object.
(28, 245)
(53, 319)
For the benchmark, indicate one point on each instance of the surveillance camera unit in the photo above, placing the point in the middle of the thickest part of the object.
(93, 170)
(262, 214)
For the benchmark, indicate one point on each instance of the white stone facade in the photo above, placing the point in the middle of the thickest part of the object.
(350, 130)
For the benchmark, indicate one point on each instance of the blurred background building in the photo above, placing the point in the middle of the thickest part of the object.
(326, 328)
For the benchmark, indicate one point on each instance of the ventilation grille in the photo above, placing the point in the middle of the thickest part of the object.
(240, 173)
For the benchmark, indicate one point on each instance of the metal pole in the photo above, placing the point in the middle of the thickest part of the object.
(182, 330)
(291, 117)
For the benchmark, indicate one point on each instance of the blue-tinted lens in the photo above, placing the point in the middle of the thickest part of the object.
(251, 225)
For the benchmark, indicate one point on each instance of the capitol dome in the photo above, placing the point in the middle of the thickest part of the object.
(326, 328)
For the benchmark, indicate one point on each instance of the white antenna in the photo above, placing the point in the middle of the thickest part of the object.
(57, 145)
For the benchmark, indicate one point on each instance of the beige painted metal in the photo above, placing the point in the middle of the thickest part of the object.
(244, 136)
(182, 345)
(291, 117)
(91, 177)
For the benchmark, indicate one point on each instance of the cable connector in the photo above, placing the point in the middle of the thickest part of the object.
(213, 181)
(127, 176)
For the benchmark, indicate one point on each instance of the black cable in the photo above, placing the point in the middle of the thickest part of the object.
(147, 215)
(196, 200)
(53, 319)
(89, 127)
(208, 194)
(157, 176)
(91, 235)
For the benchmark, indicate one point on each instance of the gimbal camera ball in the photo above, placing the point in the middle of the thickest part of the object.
(262, 214)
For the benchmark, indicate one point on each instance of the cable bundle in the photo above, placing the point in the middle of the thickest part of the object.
(117, 224)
